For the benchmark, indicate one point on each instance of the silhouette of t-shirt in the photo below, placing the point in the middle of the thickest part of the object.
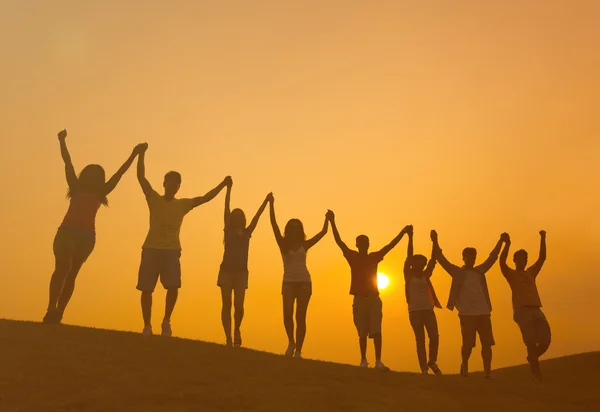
(363, 268)
(472, 300)
(418, 290)
(166, 217)
(83, 208)
(294, 266)
(524, 289)
(235, 256)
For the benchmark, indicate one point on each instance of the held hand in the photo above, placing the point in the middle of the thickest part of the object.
(409, 230)
(434, 236)
(271, 198)
(505, 237)
(140, 148)
(62, 135)
(543, 234)
(330, 215)
(228, 181)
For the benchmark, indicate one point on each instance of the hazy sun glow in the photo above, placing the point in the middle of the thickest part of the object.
(383, 280)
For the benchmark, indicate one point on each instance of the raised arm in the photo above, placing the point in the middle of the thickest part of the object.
(409, 253)
(489, 262)
(258, 214)
(64, 151)
(504, 268)
(432, 261)
(228, 204)
(141, 171)
(537, 266)
(210, 195)
(274, 224)
(315, 239)
(448, 267)
(336, 234)
(114, 180)
(386, 249)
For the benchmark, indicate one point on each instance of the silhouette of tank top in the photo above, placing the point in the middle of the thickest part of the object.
(294, 266)
(83, 208)
(235, 256)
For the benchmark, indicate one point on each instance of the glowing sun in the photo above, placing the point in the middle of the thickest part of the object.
(383, 281)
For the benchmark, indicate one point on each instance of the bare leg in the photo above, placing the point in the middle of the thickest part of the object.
(417, 323)
(170, 304)
(238, 303)
(486, 354)
(377, 341)
(226, 312)
(61, 270)
(466, 354)
(301, 311)
(147, 308)
(363, 348)
(288, 317)
(68, 287)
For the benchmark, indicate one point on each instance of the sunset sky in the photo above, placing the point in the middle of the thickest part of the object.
(466, 116)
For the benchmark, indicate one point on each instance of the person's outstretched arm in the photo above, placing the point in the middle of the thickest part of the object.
(409, 254)
(64, 151)
(141, 171)
(258, 214)
(537, 266)
(228, 204)
(448, 267)
(386, 249)
(432, 262)
(336, 234)
(274, 224)
(489, 262)
(114, 180)
(504, 268)
(210, 195)
(315, 239)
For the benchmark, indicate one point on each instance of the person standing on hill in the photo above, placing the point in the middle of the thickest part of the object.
(421, 300)
(76, 236)
(162, 249)
(470, 295)
(233, 273)
(367, 306)
(297, 283)
(527, 303)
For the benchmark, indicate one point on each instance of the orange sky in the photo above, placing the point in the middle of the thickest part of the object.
(472, 118)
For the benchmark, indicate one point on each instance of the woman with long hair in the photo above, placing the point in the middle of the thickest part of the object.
(76, 236)
(297, 283)
(233, 273)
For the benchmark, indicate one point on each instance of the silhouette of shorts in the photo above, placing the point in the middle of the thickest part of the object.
(77, 244)
(159, 263)
(368, 315)
(533, 324)
(471, 326)
(296, 290)
(233, 280)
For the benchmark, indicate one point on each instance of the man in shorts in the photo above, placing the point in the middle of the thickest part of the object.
(161, 250)
(527, 303)
(367, 306)
(470, 295)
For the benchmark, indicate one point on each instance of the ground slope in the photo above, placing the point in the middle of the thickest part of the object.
(64, 368)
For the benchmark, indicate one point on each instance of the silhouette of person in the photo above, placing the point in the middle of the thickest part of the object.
(421, 300)
(470, 295)
(76, 236)
(367, 306)
(233, 273)
(161, 250)
(527, 303)
(297, 284)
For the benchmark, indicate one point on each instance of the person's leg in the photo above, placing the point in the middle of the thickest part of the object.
(362, 342)
(375, 321)
(288, 317)
(486, 355)
(469, 334)
(434, 340)
(226, 313)
(147, 277)
(378, 343)
(526, 321)
(170, 277)
(170, 302)
(362, 323)
(147, 308)
(486, 336)
(543, 333)
(301, 310)
(417, 323)
(238, 303)
(61, 270)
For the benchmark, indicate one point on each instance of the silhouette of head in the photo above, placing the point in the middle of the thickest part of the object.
(417, 264)
(362, 243)
(92, 179)
(520, 259)
(469, 257)
(237, 219)
(293, 234)
(172, 183)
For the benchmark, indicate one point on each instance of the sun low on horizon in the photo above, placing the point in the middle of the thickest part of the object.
(383, 280)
